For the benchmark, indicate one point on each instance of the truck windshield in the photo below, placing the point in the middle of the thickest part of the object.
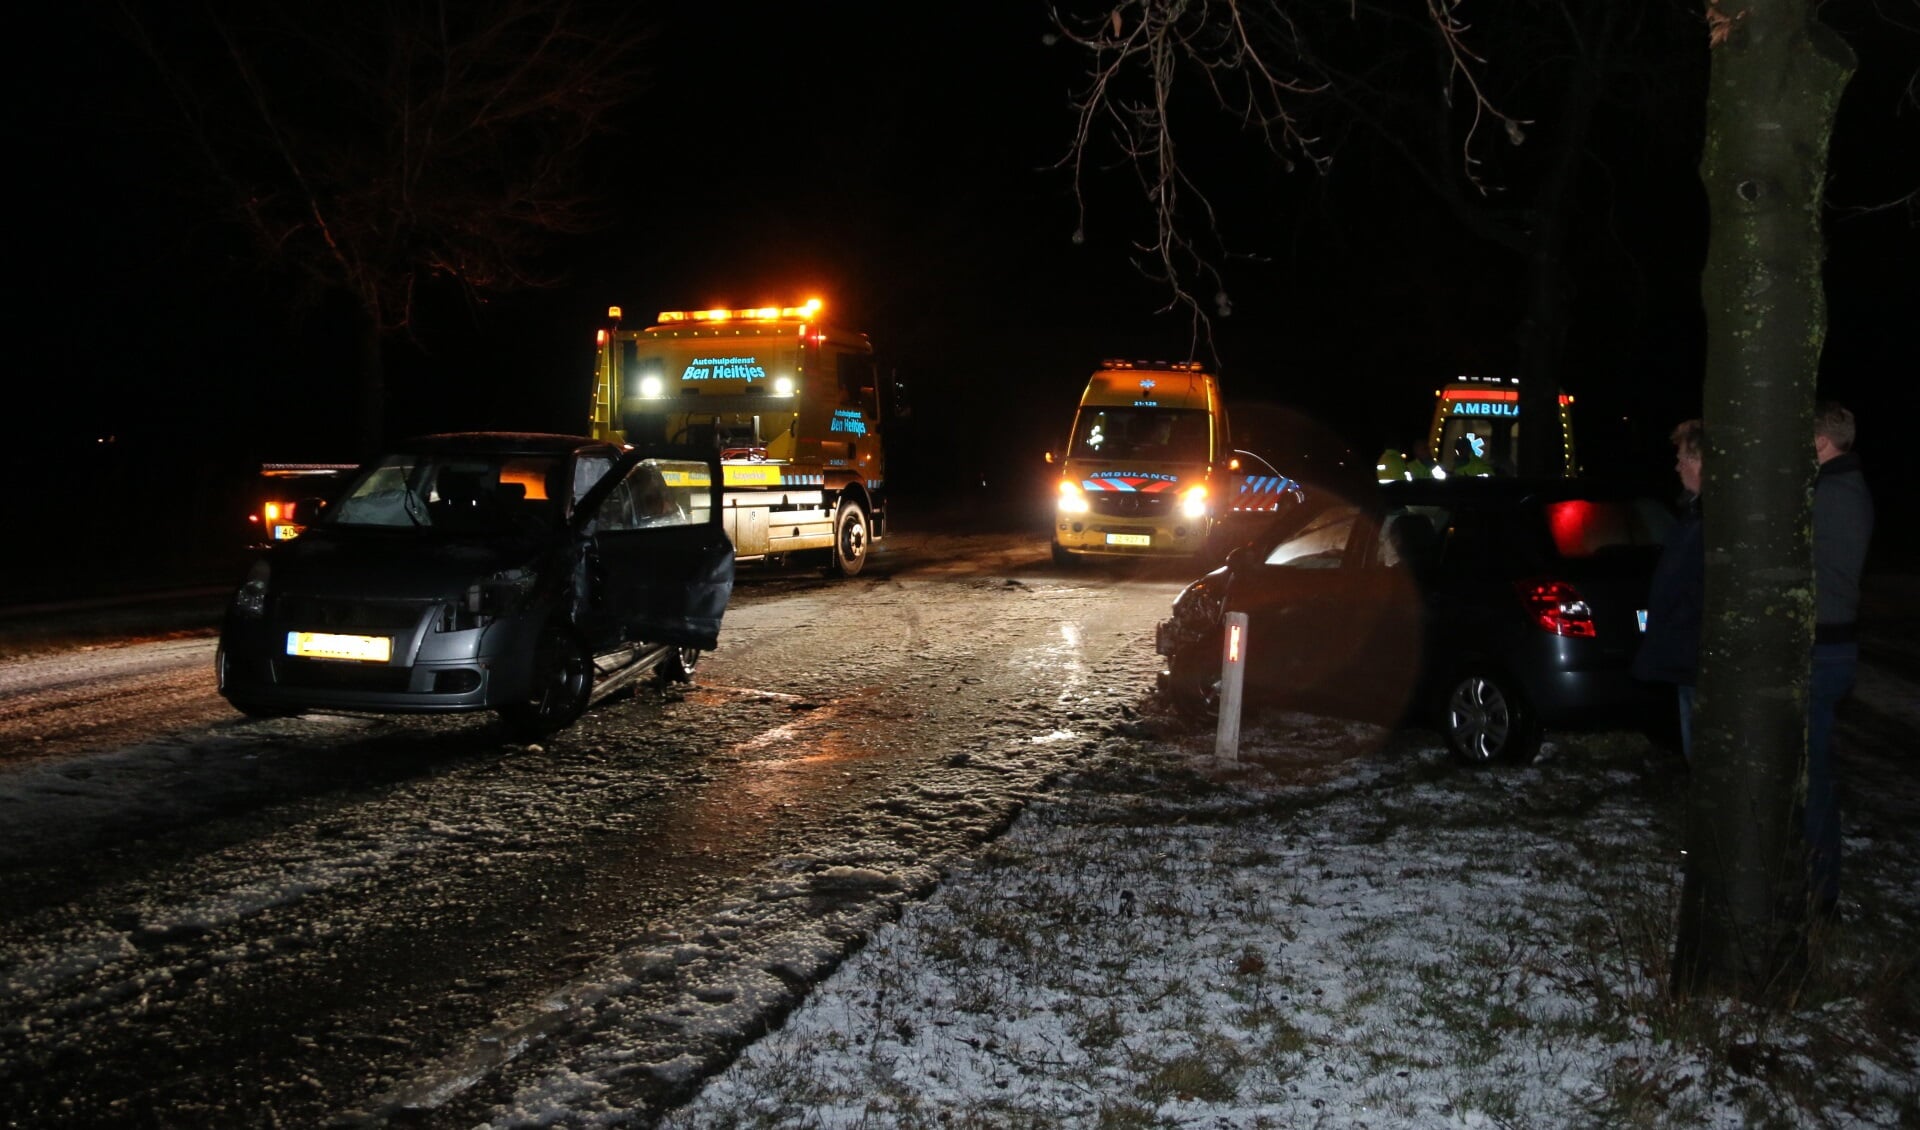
(1174, 435)
(467, 493)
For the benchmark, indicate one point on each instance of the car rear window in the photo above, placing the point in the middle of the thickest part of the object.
(1583, 527)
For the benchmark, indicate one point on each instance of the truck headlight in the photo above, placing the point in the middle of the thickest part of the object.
(1193, 503)
(1073, 500)
(250, 601)
(651, 387)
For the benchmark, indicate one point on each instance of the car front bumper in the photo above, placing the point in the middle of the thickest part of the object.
(1108, 536)
(430, 671)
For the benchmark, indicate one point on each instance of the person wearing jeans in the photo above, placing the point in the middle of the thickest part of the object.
(1670, 652)
(1842, 527)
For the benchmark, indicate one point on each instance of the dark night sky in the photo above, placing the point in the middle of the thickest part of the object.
(895, 158)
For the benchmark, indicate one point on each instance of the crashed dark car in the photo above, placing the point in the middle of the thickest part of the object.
(522, 573)
(1489, 608)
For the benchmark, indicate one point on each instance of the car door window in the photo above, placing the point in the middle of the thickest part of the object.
(1320, 544)
(657, 493)
(588, 470)
(1409, 538)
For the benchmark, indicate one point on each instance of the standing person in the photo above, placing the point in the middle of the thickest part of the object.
(1670, 653)
(1842, 527)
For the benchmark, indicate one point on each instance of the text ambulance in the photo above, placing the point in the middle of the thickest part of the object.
(1476, 424)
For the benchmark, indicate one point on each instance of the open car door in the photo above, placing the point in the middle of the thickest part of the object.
(659, 563)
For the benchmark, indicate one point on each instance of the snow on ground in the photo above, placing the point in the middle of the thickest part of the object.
(1395, 943)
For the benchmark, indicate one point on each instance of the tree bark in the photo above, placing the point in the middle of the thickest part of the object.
(1543, 332)
(1775, 84)
(370, 414)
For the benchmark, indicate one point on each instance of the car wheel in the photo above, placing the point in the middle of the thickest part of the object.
(678, 666)
(247, 706)
(559, 689)
(1062, 558)
(1487, 722)
(1193, 681)
(254, 709)
(849, 540)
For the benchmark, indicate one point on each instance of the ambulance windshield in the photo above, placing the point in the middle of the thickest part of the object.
(1175, 435)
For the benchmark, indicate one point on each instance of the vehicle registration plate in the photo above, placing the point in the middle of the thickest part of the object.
(1641, 615)
(283, 533)
(1129, 539)
(327, 645)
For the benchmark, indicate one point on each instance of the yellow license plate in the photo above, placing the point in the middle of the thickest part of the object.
(1129, 539)
(326, 645)
(283, 533)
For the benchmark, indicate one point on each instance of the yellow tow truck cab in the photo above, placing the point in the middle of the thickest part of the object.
(791, 402)
(1148, 470)
(287, 497)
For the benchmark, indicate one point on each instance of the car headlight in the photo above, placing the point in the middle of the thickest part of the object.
(1193, 503)
(250, 601)
(1073, 500)
(1203, 600)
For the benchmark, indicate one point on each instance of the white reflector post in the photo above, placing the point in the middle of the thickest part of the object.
(1233, 680)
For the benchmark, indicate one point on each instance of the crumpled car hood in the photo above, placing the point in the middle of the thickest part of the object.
(390, 566)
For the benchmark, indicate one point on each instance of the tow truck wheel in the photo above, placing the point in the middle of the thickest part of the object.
(559, 689)
(849, 540)
(678, 666)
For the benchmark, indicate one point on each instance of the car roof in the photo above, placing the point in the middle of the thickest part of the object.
(1504, 491)
(518, 443)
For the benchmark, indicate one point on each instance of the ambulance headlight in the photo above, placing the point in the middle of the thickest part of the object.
(651, 387)
(783, 386)
(1193, 504)
(1073, 500)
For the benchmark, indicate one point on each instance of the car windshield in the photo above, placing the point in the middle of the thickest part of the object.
(463, 493)
(1172, 434)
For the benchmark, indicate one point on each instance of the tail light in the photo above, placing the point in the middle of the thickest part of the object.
(1557, 607)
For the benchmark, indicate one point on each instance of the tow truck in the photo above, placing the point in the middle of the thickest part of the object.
(791, 402)
(288, 496)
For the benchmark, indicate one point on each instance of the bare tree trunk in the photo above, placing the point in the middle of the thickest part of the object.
(370, 417)
(1775, 85)
(1543, 333)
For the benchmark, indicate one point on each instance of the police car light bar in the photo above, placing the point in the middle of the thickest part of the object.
(758, 314)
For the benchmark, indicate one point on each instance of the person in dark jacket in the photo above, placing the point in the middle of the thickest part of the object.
(1670, 653)
(1842, 527)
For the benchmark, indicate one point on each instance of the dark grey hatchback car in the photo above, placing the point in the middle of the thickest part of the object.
(1487, 607)
(523, 573)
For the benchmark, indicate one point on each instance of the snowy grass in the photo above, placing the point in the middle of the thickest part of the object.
(1335, 935)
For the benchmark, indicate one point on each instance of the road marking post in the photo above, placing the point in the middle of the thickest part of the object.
(1233, 679)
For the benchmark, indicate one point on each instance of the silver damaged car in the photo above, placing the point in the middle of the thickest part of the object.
(527, 574)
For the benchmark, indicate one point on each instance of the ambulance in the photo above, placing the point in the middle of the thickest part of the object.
(1149, 469)
(1476, 422)
(792, 404)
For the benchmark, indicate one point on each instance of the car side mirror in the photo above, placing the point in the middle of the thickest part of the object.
(1239, 558)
